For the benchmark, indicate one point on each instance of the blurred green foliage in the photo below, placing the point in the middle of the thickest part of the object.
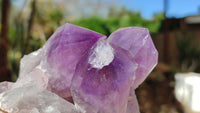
(124, 18)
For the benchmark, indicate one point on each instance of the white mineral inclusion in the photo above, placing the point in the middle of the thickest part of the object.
(102, 54)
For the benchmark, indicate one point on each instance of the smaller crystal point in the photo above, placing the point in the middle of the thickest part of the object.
(5, 86)
(102, 54)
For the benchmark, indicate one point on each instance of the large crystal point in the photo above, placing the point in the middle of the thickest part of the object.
(64, 49)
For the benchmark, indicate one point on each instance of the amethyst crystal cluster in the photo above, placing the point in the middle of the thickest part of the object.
(81, 71)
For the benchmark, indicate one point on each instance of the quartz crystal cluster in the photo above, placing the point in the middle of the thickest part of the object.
(81, 71)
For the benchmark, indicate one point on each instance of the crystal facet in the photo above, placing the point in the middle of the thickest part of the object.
(63, 50)
(137, 42)
(80, 71)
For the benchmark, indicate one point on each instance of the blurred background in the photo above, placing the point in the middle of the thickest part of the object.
(174, 26)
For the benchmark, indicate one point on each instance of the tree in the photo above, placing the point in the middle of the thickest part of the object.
(30, 24)
(4, 41)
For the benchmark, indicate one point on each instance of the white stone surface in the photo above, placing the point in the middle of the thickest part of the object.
(32, 99)
(187, 90)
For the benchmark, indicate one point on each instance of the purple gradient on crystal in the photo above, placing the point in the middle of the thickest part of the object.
(68, 44)
(106, 88)
(137, 41)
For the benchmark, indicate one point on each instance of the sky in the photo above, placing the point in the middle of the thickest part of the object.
(176, 8)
